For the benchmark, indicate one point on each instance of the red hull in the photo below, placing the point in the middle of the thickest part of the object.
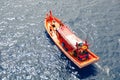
(59, 35)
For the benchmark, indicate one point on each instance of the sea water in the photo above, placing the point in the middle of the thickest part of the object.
(28, 53)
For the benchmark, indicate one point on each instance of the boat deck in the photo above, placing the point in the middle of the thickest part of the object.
(69, 36)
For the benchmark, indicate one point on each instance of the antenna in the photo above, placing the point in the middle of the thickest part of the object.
(50, 13)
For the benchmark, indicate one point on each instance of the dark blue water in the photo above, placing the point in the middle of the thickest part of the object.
(28, 53)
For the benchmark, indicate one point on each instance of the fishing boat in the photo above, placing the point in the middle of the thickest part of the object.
(76, 49)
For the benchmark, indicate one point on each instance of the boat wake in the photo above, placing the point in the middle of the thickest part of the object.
(105, 69)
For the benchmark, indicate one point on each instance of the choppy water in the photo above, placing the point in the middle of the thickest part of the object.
(27, 52)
